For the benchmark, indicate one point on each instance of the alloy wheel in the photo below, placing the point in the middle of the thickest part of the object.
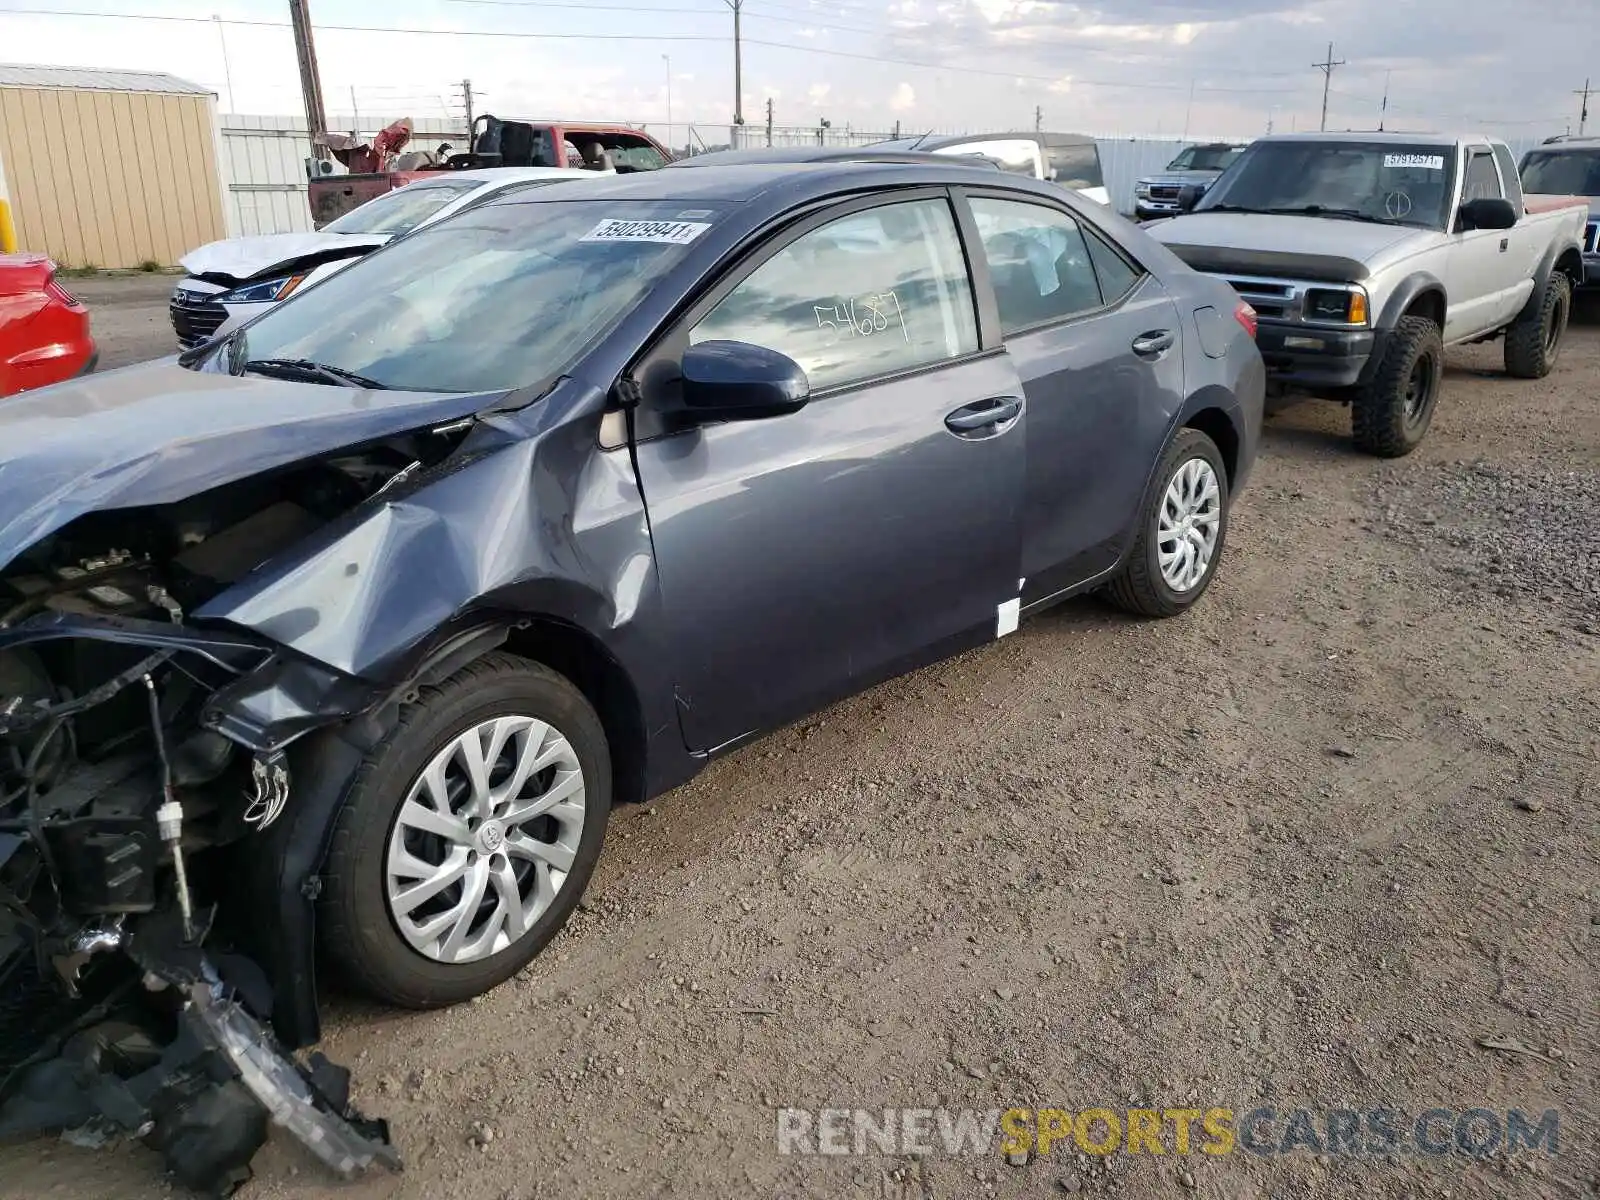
(485, 839)
(1188, 525)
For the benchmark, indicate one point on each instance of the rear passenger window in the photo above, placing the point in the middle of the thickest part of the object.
(1117, 274)
(879, 291)
(1039, 263)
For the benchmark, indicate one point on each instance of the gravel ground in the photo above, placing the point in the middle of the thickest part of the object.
(1307, 846)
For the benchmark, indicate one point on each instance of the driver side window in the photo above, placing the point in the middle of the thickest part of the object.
(1483, 180)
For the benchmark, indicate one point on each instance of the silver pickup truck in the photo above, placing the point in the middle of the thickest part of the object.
(1365, 254)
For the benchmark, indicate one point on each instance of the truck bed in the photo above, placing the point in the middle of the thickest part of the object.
(1536, 203)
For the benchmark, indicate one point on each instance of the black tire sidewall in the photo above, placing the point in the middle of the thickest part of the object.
(1189, 444)
(375, 956)
(1380, 423)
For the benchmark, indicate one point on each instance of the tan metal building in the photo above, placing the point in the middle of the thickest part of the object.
(107, 168)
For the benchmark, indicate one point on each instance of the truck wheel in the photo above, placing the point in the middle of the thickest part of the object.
(1392, 412)
(1182, 525)
(468, 836)
(1534, 340)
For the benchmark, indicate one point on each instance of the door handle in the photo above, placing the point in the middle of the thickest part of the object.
(1158, 341)
(983, 417)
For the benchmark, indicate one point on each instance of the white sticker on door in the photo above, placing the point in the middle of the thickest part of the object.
(667, 233)
(1426, 162)
(1006, 617)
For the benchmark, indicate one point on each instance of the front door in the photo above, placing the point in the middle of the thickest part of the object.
(1096, 341)
(1486, 273)
(806, 556)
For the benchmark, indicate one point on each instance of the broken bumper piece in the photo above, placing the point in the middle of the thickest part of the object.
(172, 1056)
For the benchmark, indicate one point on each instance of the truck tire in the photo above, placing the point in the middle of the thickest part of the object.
(439, 807)
(1187, 502)
(1391, 413)
(1534, 339)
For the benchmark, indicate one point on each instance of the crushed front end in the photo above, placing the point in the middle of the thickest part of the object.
(132, 806)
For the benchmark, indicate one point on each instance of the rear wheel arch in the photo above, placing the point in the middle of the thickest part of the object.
(1571, 265)
(1217, 425)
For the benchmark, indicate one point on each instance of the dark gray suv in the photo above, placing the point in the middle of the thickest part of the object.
(365, 615)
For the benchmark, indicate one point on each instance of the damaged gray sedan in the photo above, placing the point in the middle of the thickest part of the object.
(345, 631)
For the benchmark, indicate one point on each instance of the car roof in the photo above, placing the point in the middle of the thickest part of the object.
(1565, 142)
(739, 182)
(1382, 137)
(808, 154)
(487, 175)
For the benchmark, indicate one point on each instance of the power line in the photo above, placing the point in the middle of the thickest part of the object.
(651, 37)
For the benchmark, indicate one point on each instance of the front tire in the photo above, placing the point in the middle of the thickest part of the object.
(1182, 526)
(1533, 342)
(468, 836)
(1390, 415)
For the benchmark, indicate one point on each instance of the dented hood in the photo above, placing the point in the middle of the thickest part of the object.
(157, 433)
(246, 257)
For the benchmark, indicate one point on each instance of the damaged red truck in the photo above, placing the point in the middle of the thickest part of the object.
(381, 168)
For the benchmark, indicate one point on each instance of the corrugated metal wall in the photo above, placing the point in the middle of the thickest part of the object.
(264, 163)
(111, 179)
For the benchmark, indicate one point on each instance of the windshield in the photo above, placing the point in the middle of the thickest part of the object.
(1205, 158)
(1387, 182)
(1562, 172)
(496, 298)
(401, 210)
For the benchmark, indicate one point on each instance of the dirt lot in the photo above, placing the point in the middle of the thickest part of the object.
(1303, 847)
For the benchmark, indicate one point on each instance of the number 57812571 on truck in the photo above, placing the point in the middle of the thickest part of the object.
(1365, 254)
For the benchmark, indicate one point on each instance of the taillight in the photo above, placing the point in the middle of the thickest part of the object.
(53, 288)
(1246, 316)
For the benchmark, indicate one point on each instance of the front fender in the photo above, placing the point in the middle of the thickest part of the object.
(1413, 287)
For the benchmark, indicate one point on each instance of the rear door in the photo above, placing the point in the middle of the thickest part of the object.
(805, 556)
(1095, 339)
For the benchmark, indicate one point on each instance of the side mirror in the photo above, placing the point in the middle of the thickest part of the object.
(736, 381)
(1488, 212)
(1188, 196)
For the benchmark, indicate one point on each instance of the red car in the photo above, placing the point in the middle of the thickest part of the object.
(44, 331)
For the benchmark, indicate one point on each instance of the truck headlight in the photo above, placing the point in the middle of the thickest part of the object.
(1330, 304)
(1142, 191)
(263, 292)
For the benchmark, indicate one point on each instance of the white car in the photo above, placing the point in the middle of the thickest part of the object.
(235, 280)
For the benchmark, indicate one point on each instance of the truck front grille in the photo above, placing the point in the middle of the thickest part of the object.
(1164, 191)
(1591, 238)
(1268, 297)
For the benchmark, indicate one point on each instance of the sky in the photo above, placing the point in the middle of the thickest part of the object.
(1229, 68)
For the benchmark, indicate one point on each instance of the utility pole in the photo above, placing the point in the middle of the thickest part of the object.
(1583, 113)
(738, 63)
(310, 82)
(466, 99)
(355, 113)
(1327, 78)
(1188, 111)
(227, 75)
(769, 120)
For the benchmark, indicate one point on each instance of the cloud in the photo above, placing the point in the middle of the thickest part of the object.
(904, 99)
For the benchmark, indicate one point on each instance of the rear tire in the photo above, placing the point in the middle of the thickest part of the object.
(1156, 580)
(1534, 341)
(527, 724)
(1390, 415)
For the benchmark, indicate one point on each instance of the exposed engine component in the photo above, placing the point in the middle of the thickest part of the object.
(126, 1008)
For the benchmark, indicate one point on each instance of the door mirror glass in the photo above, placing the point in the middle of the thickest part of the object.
(736, 381)
(1488, 212)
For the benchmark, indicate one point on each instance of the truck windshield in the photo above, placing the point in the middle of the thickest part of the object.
(1205, 158)
(401, 210)
(496, 298)
(1386, 182)
(1562, 172)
